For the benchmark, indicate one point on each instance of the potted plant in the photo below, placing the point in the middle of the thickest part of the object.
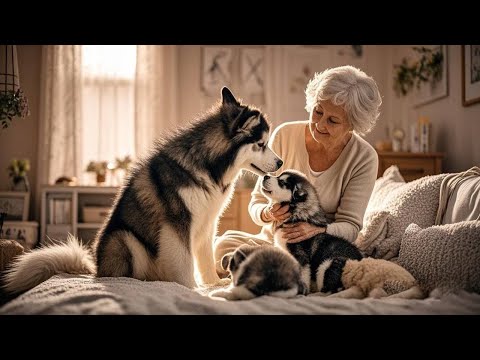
(99, 168)
(428, 68)
(17, 170)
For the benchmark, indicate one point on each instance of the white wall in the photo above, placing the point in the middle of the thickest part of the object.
(455, 128)
(376, 62)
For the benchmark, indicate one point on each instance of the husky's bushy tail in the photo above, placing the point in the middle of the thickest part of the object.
(37, 266)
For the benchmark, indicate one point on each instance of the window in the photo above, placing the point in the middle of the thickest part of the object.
(108, 103)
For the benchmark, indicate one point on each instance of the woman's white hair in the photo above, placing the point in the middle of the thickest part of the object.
(351, 88)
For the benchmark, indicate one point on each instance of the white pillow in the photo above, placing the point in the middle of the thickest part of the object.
(393, 206)
(464, 203)
(446, 257)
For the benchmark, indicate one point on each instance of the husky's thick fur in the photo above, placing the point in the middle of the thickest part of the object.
(164, 219)
(261, 270)
(368, 277)
(293, 187)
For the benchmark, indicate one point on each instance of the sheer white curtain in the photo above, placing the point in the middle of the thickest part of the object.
(60, 128)
(156, 94)
(96, 112)
(108, 104)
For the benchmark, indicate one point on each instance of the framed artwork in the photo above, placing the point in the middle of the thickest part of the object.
(300, 64)
(470, 74)
(433, 91)
(15, 204)
(24, 232)
(216, 69)
(253, 71)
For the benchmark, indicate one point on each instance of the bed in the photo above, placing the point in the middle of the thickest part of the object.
(80, 295)
(430, 226)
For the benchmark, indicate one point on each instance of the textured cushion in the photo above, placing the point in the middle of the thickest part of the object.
(464, 203)
(446, 257)
(393, 206)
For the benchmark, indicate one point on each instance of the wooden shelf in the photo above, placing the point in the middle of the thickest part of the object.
(411, 165)
(75, 197)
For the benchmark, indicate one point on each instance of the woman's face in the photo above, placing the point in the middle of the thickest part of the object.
(328, 124)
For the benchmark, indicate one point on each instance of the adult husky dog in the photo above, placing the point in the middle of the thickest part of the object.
(293, 187)
(164, 219)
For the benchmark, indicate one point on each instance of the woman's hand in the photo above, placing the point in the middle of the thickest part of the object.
(300, 231)
(276, 212)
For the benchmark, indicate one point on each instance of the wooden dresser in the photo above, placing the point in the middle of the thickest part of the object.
(411, 165)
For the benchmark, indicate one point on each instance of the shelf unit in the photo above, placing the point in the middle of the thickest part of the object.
(236, 217)
(61, 211)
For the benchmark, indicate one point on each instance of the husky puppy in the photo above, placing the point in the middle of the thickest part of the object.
(164, 219)
(260, 270)
(293, 187)
(368, 277)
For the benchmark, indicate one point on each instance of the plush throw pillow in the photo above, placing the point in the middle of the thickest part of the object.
(393, 206)
(446, 257)
(464, 203)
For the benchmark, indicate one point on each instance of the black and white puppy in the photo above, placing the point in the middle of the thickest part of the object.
(260, 270)
(292, 187)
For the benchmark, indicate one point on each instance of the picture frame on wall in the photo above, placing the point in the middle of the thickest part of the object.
(433, 91)
(15, 204)
(216, 69)
(470, 74)
(253, 70)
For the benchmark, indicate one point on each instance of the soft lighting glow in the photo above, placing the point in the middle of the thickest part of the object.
(115, 61)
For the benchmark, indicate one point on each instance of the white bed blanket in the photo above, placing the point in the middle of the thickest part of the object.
(80, 294)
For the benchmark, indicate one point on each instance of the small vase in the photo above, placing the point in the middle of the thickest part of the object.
(20, 183)
(100, 179)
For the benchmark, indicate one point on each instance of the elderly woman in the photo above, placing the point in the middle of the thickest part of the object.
(343, 103)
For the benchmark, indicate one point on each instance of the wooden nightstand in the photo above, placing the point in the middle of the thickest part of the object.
(411, 165)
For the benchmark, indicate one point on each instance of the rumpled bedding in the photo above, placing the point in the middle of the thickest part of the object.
(81, 294)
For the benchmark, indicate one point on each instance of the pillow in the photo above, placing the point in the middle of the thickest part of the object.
(446, 257)
(464, 203)
(393, 206)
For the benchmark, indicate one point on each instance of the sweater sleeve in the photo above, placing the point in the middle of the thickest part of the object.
(353, 203)
(258, 201)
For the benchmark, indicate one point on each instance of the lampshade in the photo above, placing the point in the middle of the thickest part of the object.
(9, 74)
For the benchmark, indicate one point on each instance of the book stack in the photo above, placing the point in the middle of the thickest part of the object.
(60, 209)
(424, 133)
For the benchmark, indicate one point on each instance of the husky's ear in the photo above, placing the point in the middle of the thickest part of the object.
(299, 194)
(246, 127)
(228, 98)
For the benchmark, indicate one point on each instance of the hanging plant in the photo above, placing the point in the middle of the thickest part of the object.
(12, 104)
(428, 68)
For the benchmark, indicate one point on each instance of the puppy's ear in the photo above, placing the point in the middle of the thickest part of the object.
(299, 194)
(226, 261)
(228, 98)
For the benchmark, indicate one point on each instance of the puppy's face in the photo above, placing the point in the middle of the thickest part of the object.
(290, 186)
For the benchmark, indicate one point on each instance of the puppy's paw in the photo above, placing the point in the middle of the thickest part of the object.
(220, 294)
